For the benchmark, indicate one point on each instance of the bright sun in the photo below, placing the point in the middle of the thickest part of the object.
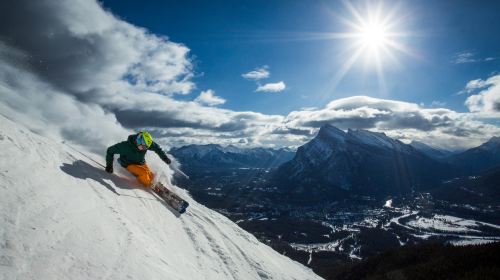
(373, 36)
(373, 33)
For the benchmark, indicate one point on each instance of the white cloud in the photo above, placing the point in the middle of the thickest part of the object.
(78, 47)
(308, 108)
(436, 103)
(263, 73)
(257, 74)
(272, 87)
(470, 57)
(208, 98)
(464, 57)
(406, 121)
(475, 84)
(72, 69)
(50, 112)
(487, 101)
(110, 112)
(472, 86)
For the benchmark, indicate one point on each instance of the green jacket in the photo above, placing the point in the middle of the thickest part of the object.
(130, 153)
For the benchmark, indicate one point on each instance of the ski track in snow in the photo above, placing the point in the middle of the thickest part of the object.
(63, 217)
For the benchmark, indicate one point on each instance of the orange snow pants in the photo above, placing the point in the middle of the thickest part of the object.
(143, 174)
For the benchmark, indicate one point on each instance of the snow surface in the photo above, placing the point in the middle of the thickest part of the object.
(62, 217)
(471, 242)
(371, 138)
(388, 203)
(444, 224)
(333, 133)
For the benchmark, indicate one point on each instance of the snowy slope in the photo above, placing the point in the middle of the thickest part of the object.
(374, 139)
(62, 217)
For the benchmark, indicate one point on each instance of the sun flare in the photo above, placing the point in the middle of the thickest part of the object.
(373, 36)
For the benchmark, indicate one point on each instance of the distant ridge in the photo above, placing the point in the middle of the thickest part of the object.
(478, 159)
(431, 151)
(217, 156)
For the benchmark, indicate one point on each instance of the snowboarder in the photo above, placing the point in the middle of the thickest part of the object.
(132, 153)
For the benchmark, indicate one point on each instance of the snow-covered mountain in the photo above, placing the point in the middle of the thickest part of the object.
(358, 161)
(431, 151)
(213, 155)
(63, 217)
(479, 159)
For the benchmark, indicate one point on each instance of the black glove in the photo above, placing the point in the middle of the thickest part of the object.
(109, 168)
(168, 161)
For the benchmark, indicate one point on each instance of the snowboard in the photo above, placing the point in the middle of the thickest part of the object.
(172, 199)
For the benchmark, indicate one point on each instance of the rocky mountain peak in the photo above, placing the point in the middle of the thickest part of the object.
(328, 131)
(370, 138)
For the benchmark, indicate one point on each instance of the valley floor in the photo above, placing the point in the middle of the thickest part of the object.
(347, 230)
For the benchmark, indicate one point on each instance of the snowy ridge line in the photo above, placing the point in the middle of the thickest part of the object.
(61, 218)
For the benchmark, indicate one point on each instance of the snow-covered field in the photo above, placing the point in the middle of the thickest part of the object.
(63, 217)
(445, 223)
(459, 231)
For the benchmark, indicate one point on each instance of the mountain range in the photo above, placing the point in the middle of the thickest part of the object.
(336, 163)
(371, 163)
(354, 173)
(217, 156)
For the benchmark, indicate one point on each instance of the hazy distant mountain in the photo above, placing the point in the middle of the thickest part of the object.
(480, 158)
(358, 161)
(217, 156)
(431, 151)
(483, 188)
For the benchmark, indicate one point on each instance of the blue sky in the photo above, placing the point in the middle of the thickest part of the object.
(251, 73)
(229, 38)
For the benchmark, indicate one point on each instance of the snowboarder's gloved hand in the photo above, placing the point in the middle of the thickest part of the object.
(109, 168)
(168, 161)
